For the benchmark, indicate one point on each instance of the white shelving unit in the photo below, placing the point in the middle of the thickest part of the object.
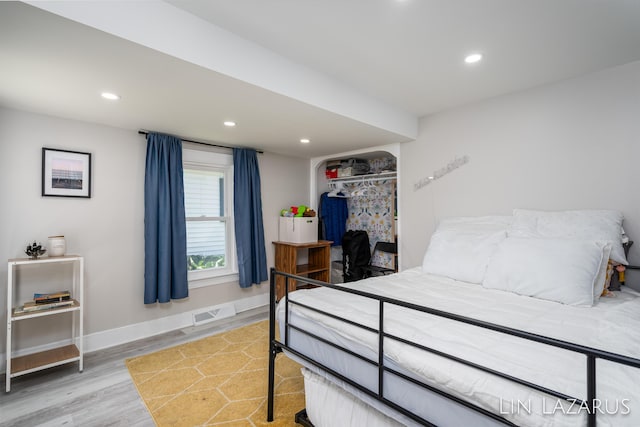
(72, 352)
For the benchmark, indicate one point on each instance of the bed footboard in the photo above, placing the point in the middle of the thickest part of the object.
(278, 345)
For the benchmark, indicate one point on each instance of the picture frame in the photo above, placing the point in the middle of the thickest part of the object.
(66, 173)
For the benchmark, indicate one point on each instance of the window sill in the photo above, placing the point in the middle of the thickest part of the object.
(212, 281)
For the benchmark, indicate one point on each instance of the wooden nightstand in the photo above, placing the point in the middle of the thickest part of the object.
(318, 266)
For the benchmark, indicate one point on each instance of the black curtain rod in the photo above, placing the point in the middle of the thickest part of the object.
(144, 132)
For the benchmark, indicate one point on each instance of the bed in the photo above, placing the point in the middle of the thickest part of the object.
(479, 351)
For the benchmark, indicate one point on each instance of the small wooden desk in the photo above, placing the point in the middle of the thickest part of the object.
(318, 266)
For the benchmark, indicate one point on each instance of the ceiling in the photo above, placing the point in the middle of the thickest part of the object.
(345, 74)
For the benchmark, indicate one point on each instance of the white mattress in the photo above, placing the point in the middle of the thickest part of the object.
(321, 395)
(613, 324)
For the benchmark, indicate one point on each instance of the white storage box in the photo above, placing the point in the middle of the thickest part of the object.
(298, 229)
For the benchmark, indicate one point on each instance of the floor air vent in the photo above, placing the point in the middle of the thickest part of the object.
(214, 313)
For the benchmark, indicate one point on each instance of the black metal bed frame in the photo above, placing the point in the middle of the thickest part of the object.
(276, 346)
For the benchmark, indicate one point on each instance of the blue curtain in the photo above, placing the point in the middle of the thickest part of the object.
(165, 231)
(247, 211)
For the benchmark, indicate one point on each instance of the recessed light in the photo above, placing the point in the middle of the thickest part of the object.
(473, 58)
(229, 123)
(110, 96)
(305, 140)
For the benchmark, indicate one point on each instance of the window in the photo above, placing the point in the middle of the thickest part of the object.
(208, 200)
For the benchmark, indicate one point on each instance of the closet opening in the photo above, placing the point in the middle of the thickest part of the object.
(358, 193)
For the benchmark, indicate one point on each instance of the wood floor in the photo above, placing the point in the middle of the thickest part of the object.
(102, 395)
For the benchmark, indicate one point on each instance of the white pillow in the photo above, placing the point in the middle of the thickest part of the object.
(558, 270)
(602, 225)
(460, 248)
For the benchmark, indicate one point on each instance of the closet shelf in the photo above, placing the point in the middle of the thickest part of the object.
(384, 176)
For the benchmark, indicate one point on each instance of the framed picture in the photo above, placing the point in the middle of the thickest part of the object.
(66, 173)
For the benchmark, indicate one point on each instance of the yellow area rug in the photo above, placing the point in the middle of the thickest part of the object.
(220, 380)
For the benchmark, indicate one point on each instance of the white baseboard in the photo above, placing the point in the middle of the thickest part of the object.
(112, 337)
(125, 334)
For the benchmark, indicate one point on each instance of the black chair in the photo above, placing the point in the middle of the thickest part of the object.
(376, 270)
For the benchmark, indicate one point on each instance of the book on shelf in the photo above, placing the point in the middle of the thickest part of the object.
(31, 306)
(52, 297)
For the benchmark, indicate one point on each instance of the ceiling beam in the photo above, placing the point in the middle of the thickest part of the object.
(167, 29)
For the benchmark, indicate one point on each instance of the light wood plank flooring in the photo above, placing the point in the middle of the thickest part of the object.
(102, 395)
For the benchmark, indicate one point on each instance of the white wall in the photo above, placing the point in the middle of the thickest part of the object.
(108, 228)
(571, 145)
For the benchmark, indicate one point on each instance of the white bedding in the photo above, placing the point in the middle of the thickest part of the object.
(613, 324)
